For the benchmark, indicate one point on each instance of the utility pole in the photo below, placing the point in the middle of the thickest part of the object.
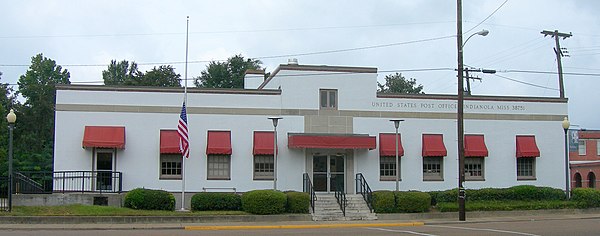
(559, 54)
(468, 78)
(460, 119)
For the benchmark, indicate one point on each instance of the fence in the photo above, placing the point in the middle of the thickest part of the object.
(68, 181)
(4, 183)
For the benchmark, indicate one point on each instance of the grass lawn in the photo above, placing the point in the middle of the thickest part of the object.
(87, 210)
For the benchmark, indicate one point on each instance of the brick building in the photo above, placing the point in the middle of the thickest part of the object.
(584, 157)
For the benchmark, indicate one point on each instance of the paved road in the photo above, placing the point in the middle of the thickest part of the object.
(570, 227)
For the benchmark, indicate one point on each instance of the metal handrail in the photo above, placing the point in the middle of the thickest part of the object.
(340, 196)
(68, 181)
(363, 188)
(307, 187)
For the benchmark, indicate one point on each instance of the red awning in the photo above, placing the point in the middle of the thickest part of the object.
(263, 143)
(475, 146)
(169, 141)
(331, 141)
(526, 147)
(219, 142)
(387, 146)
(433, 145)
(104, 137)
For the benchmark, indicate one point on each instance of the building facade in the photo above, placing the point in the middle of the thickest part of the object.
(584, 157)
(334, 126)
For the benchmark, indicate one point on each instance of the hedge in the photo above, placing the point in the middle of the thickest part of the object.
(264, 202)
(586, 197)
(412, 201)
(384, 202)
(148, 199)
(507, 205)
(216, 202)
(297, 202)
(516, 193)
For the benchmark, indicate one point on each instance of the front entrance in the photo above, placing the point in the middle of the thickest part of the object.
(104, 168)
(328, 172)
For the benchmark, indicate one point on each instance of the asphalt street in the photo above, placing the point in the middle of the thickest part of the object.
(570, 227)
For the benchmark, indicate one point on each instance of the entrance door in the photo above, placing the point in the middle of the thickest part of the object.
(104, 168)
(328, 172)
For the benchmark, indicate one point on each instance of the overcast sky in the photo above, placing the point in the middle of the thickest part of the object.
(393, 35)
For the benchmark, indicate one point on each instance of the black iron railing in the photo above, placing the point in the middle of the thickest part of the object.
(340, 196)
(4, 195)
(307, 187)
(363, 188)
(35, 182)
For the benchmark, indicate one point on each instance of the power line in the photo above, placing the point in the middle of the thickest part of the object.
(220, 31)
(527, 83)
(261, 57)
(487, 17)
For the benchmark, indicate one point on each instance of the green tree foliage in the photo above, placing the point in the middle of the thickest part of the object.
(34, 133)
(229, 74)
(124, 74)
(7, 102)
(120, 73)
(396, 83)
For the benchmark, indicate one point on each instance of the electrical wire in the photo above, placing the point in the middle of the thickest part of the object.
(526, 83)
(501, 5)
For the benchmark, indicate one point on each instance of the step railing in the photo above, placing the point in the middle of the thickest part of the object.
(307, 187)
(363, 188)
(35, 182)
(340, 196)
(27, 183)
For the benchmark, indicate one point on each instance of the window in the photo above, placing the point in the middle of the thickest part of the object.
(582, 147)
(525, 168)
(170, 166)
(219, 167)
(432, 168)
(598, 147)
(474, 168)
(328, 99)
(263, 167)
(387, 168)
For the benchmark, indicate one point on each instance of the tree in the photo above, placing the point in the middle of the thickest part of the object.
(229, 74)
(163, 76)
(396, 83)
(6, 103)
(120, 73)
(34, 135)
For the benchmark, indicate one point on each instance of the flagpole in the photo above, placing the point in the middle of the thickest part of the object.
(184, 102)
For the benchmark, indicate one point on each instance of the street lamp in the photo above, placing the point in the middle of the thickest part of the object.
(11, 118)
(397, 124)
(565, 125)
(460, 117)
(275, 121)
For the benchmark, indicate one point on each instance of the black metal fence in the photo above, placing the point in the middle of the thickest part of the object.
(68, 181)
(4, 183)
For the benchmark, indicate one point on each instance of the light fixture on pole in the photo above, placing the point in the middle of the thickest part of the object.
(397, 125)
(566, 124)
(11, 118)
(275, 121)
(460, 117)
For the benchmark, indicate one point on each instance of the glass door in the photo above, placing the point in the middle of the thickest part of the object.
(328, 172)
(104, 168)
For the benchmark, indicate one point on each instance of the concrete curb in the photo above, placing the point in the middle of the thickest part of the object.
(311, 226)
(150, 219)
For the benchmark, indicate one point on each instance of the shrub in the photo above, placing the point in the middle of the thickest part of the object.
(449, 195)
(384, 202)
(216, 202)
(586, 197)
(297, 202)
(522, 192)
(507, 205)
(412, 201)
(264, 202)
(148, 199)
(529, 192)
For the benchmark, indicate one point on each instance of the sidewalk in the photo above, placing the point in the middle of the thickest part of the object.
(400, 220)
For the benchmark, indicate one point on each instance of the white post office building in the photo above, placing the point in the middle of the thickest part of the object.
(334, 125)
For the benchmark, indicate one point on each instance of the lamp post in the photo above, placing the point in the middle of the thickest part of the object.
(275, 121)
(397, 125)
(460, 117)
(11, 118)
(565, 125)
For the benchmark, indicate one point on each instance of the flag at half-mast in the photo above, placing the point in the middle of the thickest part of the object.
(182, 130)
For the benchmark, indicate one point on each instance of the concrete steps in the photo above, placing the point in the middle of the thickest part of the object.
(327, 208)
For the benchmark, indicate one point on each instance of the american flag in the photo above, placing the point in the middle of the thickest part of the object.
(182, 130)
